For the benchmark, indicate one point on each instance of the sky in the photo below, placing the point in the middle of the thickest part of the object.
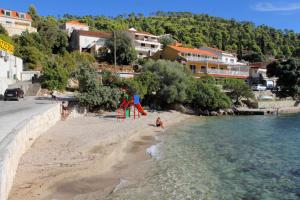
(282, 14)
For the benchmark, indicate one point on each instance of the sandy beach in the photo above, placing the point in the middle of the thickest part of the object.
(86, 158)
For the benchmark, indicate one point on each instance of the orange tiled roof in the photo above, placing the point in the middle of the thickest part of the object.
(193, 51)
(74, 22)
(15, 14)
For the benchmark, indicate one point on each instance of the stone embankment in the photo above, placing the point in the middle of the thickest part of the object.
(17, 143)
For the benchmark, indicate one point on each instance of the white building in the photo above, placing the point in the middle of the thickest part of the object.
(258, 75)
(16, 22)
(11, 68)
(89, 41)
(146, 44)
(224, 57)
(70, 26)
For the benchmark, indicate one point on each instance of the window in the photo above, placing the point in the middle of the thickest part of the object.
(146, 38)
(7, 13)
(232, 60)
(8, 22)
(193, 68)
(143, 44)
(22, 15)
(152, 46)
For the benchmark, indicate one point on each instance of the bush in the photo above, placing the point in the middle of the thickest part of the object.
(125, 50)
(238, 89)
(206, 96)
(92, 93)
(168, 80)
(54, 76)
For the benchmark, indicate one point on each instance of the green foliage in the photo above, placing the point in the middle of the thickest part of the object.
(92, 93)
(288, 73)
(207, 96)
(72, 61)
(165, 83)
(34, 15)
(167, 40)
(197, 30)
(54, 76)
(238, 89)
(254, 57)
(6, 38)
(125, 52)
(170, 81)
(2, 30)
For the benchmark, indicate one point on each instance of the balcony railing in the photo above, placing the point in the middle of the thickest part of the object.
(223, 72)
(199, 59)
(139, 48)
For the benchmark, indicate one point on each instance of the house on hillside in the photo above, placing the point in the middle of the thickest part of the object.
(88, 41)
(70, 26)
(204, 62)
(15, 22)
(146, 44)
(258, 75)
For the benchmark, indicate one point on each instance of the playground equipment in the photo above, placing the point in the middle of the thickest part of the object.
(125, 108)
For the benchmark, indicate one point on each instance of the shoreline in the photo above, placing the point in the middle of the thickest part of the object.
(88, 157)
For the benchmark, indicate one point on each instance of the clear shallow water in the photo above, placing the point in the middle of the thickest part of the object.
(230, 158)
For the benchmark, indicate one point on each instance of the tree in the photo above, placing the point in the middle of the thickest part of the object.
(238, 89)
(3, 30)
(72, 61)
(54, 76)
(206, 96)
(34, 15)
(288, 73)
(125, 52)
(167, 40)
(92, 93)
(171, 81)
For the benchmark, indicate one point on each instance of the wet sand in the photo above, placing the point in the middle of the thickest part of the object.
(87, 158)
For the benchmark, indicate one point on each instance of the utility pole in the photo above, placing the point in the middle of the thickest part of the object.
(115, 49)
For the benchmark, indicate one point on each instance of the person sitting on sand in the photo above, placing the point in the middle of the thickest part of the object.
(159, 123)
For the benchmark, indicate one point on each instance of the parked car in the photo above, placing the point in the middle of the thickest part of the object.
(13, 94)
(259, 87)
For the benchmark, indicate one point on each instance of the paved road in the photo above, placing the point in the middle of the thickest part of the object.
(13, 113)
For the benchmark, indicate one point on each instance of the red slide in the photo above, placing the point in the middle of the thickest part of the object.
(140, 109)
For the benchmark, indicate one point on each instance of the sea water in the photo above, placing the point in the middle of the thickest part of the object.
(246, 158)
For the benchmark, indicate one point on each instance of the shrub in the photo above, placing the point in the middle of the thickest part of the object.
(54, 76)
(92, 93)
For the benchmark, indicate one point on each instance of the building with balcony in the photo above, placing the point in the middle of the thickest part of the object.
(15, 23)
(70, 26)
(146, 44)
(203, 62)
(88, 41)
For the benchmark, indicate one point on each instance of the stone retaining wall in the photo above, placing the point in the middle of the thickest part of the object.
(19, 141)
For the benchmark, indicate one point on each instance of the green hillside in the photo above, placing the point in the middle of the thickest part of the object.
(197, 30)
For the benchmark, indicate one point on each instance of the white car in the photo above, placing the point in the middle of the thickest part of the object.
(259, 87)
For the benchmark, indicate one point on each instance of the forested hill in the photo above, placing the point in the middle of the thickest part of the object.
(198, 29)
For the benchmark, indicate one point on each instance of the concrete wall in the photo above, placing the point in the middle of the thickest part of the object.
(18, 142)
